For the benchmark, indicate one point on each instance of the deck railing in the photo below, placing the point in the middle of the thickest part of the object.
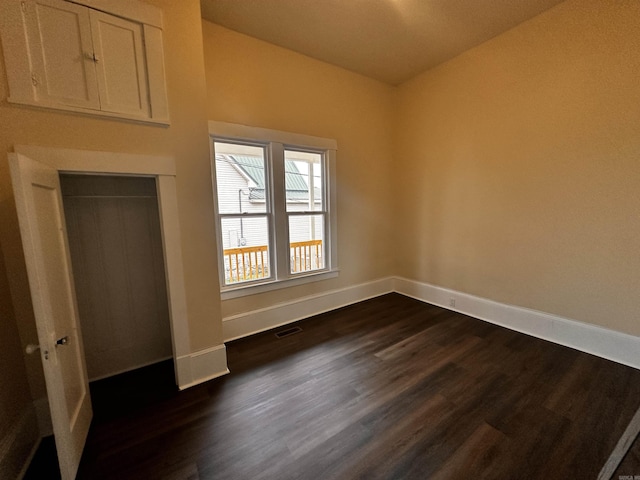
(246, 263)
(306, 255)
(251, 263)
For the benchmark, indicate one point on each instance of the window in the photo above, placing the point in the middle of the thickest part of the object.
(275, 203)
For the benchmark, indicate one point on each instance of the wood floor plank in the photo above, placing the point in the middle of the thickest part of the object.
(390, 388)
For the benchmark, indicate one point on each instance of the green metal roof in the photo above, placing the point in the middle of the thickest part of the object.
(253, 167)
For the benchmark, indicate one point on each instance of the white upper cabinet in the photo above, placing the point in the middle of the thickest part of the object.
(99, 57)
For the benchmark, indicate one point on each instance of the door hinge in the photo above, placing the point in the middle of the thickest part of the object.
(23, 5)
(34, 79)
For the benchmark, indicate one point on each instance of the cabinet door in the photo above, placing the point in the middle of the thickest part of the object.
(120, 65)
(61, 53)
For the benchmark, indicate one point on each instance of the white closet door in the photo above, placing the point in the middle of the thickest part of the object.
(42, 227)
(120, 65)
(61, 51)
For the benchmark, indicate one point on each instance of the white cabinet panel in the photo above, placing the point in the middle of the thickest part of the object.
(120, 64)
(61, 53)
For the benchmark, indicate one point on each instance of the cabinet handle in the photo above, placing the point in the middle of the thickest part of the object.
(92, 57)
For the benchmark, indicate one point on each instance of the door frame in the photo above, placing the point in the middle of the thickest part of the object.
(164, 171)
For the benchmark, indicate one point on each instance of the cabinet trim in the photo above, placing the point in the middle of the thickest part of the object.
(140, 12)
(88, 112)
(156, 73)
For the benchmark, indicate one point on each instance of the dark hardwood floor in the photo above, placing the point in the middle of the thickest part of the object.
(390, 388)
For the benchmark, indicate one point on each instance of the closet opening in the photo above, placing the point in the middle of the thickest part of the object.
(115, 241)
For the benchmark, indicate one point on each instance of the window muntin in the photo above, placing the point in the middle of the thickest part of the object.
(287, 185)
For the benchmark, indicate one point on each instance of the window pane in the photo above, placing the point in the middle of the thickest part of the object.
(304, 181)
(246, 249)
(240, 177)
(306, 242)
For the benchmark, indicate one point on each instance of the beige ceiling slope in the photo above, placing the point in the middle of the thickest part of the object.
(389, 40)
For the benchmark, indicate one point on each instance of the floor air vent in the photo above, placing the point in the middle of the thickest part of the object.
(288, 331)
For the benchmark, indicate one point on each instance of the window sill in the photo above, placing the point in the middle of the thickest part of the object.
(227, 293)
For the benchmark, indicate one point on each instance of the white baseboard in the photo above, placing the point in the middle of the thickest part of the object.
(248, 323)
(19, 445)
(201, 366)
(610, 344)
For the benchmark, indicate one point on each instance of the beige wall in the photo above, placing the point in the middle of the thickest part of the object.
(186, 140)
(518, 167)
(254, 83)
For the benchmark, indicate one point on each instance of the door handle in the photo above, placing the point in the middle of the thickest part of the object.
(63, 340)
(31, 349)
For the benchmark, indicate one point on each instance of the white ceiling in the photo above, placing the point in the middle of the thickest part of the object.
(390, 40)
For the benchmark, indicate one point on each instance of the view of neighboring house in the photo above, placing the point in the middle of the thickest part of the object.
(242, 189)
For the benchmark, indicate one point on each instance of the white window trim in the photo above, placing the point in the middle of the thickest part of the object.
(265, 135)
(275, 139)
